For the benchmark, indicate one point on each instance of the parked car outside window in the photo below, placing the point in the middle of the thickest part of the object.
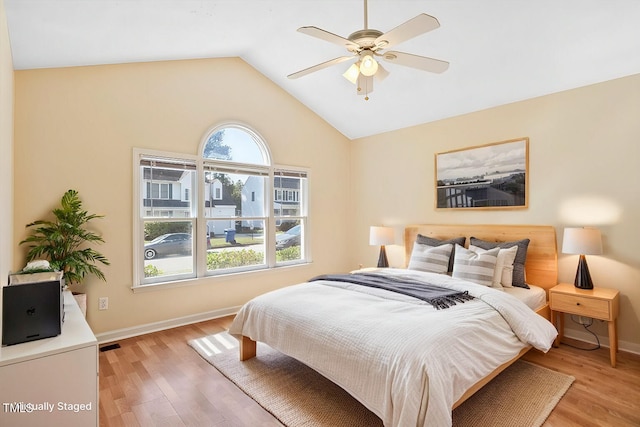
(289, 238)
(168, 244)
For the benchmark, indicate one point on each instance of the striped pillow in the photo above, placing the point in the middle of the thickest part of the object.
(431, 259)
(430, 241)
(475, 267)
(503, 274)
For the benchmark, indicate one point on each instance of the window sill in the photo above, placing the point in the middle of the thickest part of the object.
(151, 287)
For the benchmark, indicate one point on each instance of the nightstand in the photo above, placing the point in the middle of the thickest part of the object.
(598, 303)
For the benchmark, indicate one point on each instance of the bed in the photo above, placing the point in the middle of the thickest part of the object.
(406, 361)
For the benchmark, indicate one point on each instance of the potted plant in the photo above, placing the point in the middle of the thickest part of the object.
(64, 242)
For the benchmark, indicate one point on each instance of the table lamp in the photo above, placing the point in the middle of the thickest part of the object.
(582, 241)
(381, 236)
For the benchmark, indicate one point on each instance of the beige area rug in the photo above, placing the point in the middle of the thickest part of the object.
(523, 395)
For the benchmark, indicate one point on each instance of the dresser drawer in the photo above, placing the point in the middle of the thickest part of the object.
(582, 306)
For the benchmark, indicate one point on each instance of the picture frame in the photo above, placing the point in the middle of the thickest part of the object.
(490, 176)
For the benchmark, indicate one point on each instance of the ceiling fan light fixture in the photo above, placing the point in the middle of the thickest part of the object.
(381, 74)
(368, 65)
(352, 73)
(367, 44)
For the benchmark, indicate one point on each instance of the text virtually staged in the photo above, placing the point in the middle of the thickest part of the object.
(29, 407)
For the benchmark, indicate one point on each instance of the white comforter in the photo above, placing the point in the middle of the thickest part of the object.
(404, 360)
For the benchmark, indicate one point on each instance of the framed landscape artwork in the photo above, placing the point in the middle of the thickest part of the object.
(491, 176)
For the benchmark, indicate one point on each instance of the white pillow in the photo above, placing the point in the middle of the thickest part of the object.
(474, 266)
(503, 275)
(431, 259)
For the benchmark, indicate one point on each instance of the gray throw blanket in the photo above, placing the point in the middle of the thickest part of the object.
(434, 295)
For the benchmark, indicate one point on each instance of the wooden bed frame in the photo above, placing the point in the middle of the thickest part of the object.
(541, 268)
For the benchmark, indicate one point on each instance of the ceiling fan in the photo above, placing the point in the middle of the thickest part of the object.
(368, 44)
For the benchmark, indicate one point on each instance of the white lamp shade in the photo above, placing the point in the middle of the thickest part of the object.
(368, 65)
(582, 241)
(352, 73)
(381, 236)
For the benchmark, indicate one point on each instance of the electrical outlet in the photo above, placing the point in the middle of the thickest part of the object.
(584, 320)
(103, 303)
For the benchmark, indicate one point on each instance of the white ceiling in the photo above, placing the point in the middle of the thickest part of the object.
(500, 51)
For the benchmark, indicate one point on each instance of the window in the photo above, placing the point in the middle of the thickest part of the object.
(166, 224)
(227, 220)
(290, 213)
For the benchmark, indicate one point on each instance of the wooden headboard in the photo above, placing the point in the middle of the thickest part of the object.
(541, 267)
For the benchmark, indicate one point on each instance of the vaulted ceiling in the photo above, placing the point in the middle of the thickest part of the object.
(500, 51)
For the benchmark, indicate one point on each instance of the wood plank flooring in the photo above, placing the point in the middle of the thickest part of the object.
(158, 380)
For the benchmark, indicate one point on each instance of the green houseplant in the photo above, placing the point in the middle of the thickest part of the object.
(64, 241)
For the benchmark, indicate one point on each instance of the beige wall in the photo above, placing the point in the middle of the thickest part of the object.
(6, 151)
(76, 128)
(584, 160)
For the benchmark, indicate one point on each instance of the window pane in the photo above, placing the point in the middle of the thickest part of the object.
(165, 190)
(288, 198)
(289, 240)
(168, 248)
(237, 247)
(235, 144)
(229, 195)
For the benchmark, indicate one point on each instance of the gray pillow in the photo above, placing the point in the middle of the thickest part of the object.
(430, 241)
(518, 263)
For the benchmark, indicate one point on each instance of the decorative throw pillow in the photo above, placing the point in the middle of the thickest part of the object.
(503, 275)
(431, 259)
(430, 241)
(475, 267)
(518, 263)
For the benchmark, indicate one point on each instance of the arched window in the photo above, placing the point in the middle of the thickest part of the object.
(240, 211)
(235, 143)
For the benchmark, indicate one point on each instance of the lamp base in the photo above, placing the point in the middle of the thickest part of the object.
(382, 259)
(583, 278)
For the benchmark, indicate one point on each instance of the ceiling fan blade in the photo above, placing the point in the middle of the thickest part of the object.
(413, 27)
(416, 61)
(327, 36)
(319, 67)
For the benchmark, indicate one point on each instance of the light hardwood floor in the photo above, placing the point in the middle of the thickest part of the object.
(158, 380)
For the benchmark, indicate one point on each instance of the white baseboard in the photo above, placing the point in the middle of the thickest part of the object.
(119, 334)
(604, 341)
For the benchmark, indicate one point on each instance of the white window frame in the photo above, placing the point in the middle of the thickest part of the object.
(140, 217)
(199, 221)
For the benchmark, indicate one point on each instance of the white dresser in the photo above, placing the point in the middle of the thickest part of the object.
(52, 381)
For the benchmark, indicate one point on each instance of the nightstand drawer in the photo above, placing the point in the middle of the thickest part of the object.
(574, 304)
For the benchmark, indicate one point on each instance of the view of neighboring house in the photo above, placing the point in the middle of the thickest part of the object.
(218, 204)
(286, 197)
(169, 193)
